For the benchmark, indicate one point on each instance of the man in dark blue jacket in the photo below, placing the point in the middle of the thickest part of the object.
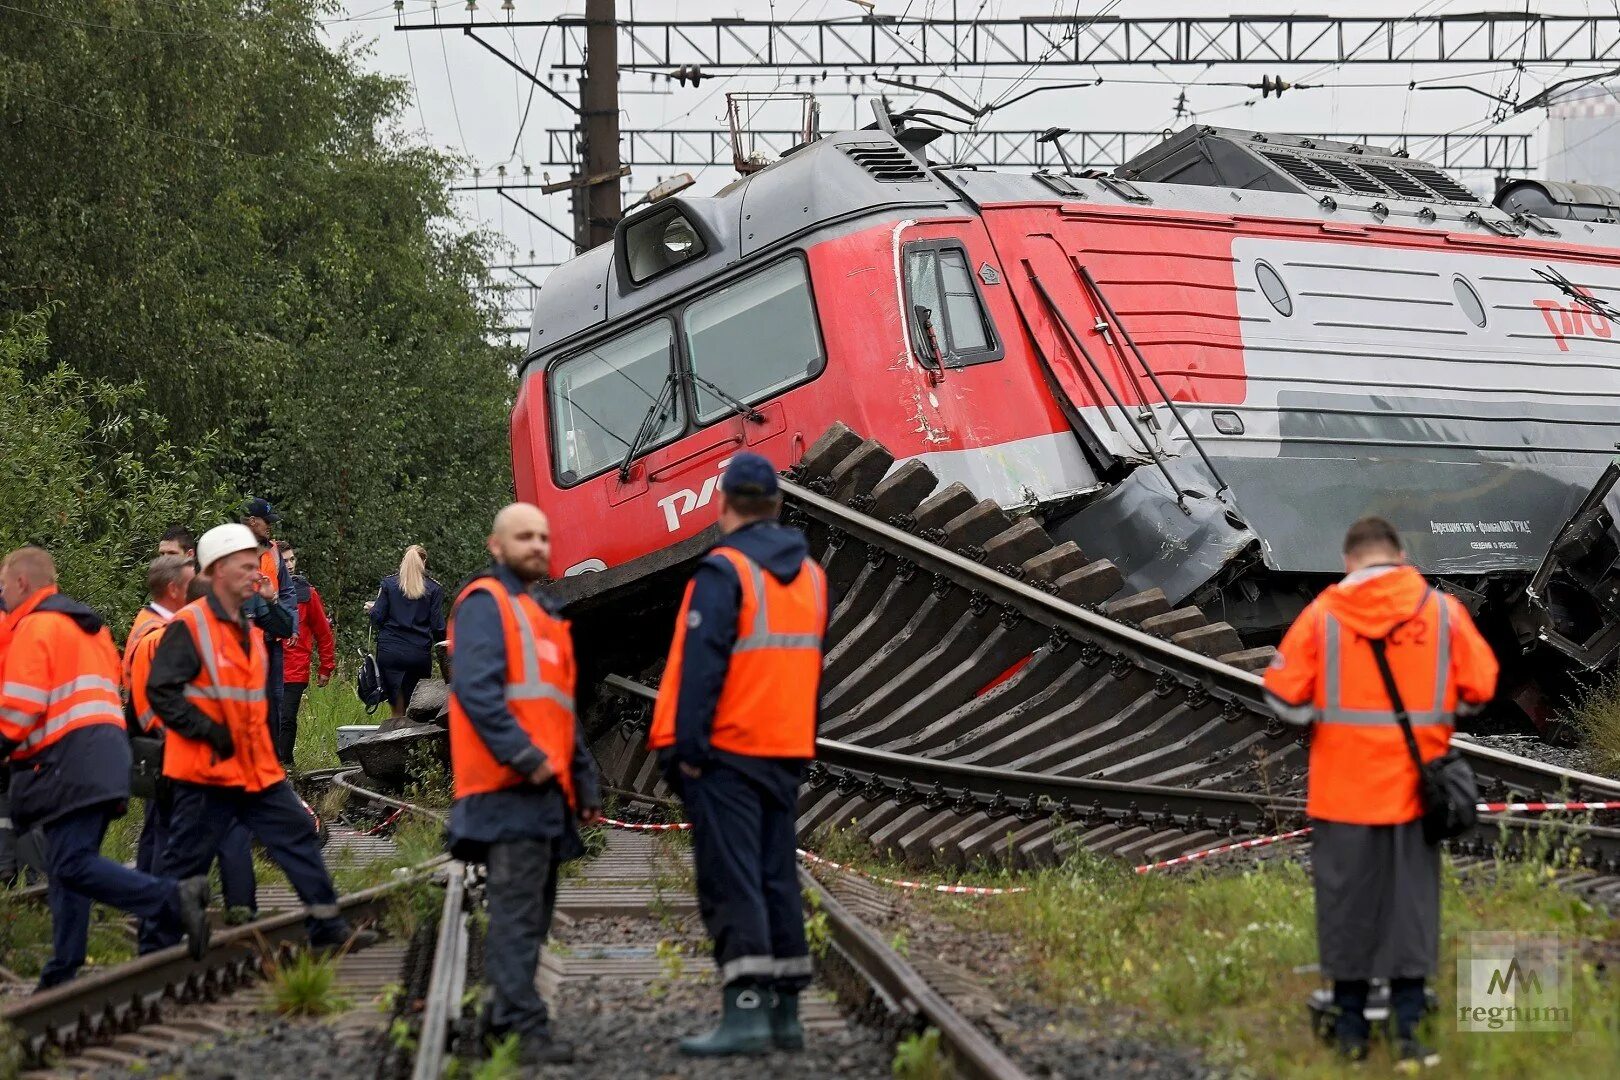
(517, 820)
(278, 619)
(735, 725)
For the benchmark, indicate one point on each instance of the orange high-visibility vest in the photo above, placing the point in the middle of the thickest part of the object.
(767, 707)
(1361, 771)
(540, 677)
(270, 566)
(56, 679)
(144, 635)
(229, 690)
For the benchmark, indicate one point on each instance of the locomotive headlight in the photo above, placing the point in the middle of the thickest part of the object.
(658, 241)
(679, 239)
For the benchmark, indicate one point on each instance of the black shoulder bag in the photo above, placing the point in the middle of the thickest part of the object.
(1446, 786)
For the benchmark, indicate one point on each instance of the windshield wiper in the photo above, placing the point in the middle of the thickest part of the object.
(741, 408)
(651, 421)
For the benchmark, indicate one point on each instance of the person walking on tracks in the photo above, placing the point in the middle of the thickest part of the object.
(408, 615)
(1377, 879)
(312, 646)
(172, 584)
(207, 686)
(735, 725)
(275, 611)
(522, 770)
(62, 725)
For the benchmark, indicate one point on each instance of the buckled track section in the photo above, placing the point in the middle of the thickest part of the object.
(1098, 704)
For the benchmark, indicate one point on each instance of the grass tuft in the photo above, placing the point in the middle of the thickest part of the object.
(918, 1057)
(305, 985)
(1596, 718)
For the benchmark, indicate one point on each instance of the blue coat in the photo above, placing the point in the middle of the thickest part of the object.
(406, 628)
(478, 681)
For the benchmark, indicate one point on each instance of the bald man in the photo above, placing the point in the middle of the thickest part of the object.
(523, 775)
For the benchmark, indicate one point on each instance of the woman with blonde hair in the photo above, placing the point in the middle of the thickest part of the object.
(409, 616)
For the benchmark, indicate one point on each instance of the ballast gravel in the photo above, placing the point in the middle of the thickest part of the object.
(620, 1031)
(305, 1050)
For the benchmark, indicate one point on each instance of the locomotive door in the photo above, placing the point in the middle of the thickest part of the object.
(1104, 400)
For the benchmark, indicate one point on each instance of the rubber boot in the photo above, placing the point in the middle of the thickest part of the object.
(786, 1031)
(745, 1026)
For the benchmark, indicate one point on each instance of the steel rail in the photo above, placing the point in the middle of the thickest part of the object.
(904, 988)
(1240, 692)
(344, 780)
(886, 775)
(446, 980)
(123, 997)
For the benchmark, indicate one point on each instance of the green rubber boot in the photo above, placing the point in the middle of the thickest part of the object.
(745, 1026)
(786, 1031)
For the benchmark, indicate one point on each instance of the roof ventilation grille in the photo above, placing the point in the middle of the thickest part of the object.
(1441, 184)
(886, 162)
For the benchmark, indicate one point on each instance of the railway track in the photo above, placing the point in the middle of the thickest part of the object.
(990, 695)
(625, 936)
(612, 926)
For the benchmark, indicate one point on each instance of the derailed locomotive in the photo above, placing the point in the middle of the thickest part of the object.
(1200, 367)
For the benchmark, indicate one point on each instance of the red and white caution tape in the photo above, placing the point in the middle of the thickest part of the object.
(1180, 860)
(1484, 808)
(637, 826)
(953, 890)
(1195, 856)
(1537, 807)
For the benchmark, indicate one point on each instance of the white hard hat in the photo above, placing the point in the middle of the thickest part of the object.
(223, 540)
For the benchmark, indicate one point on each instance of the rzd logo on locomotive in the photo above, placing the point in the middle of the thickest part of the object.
(678, 504)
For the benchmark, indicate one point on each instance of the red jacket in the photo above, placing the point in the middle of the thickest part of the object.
(314, 632)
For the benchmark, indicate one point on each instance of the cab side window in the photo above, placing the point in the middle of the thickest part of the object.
(942, 297)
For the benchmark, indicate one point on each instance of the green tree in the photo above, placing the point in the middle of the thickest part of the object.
(213, 202)
(88, 475)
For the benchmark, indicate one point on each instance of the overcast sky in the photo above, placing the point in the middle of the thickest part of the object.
(468, 102)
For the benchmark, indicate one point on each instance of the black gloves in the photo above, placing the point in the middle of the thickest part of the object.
(219, 737)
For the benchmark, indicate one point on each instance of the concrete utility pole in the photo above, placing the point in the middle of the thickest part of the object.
(597, 207)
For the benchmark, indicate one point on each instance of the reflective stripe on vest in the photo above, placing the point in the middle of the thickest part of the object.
(1334, 710)
(24, 692)
(105, 709)
(531, 687)
(759, 635)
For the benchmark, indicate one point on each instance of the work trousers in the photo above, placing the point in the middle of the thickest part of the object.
(236, 878)
(1406, 1001)
(292, 699)
(22, 855)
(203, 815)
(745, 849)
(273, 689)
(520, 892)
(78, 874)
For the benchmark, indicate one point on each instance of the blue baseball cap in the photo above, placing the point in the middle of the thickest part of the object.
(260, 508)
(750, 474)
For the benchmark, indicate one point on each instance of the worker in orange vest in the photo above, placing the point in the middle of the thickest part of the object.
(523, 774)
(207, 687)
(62, 725)
(735, 726)
(172, 582)
(1377, 879)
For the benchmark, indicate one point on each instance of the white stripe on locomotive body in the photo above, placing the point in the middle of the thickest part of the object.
(1016, 474)
(1379, 394)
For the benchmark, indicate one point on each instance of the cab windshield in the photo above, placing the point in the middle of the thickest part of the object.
(740, 344)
